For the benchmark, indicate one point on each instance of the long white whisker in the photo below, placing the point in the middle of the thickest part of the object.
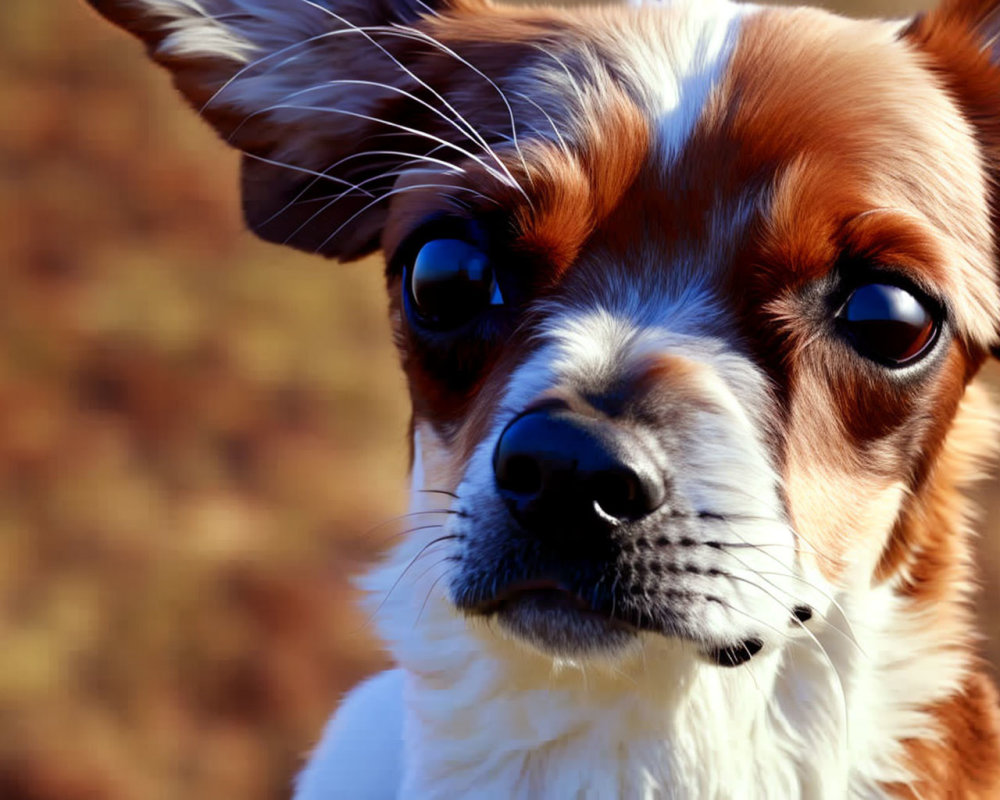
(848, 634)
(409, 95)
(427, 8)
(424, 36)
(393, 193)
(258, 62)
(395, 30)
(293, 168)
(415, 159)
(853, 637)
(334, 199)
(784, 591)
(405, 128)
(846, 739)
(472, 133)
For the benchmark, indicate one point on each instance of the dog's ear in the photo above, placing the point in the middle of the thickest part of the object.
(962, 40)
(318, 94)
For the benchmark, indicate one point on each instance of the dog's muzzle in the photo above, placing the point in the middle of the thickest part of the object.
(593, 542)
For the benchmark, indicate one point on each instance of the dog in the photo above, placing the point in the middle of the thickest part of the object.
(690, 297)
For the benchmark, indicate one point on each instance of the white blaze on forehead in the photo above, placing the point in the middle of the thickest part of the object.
(683, 54)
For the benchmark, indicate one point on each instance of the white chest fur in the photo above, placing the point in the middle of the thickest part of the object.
(460, 719)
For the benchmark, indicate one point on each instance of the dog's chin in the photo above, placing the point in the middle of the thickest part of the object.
(558, 623)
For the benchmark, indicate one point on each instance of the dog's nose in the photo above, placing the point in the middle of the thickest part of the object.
(557, 469)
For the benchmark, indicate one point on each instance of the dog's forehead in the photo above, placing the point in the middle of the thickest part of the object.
(719, 118)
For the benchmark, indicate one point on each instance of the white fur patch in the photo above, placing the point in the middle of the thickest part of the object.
(686, 49)
(236, 29)
(367, 731)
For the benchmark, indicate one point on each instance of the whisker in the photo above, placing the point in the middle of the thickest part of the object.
(406, 168)
(393, 193)
(510, 110)
(427, 8)
(812, 549)
(849, 634)
(430, 591)
(406, 569)
(472, 134)
(849, 637)
(845, 740)
(745, 543)
(331, 200)
(728, 520)
(409, 531)
(438, 491)
(305, 171)
(416, 159)
(358, 115)
(258, 62)
(409, 514)
(389, 87)
(409, 32)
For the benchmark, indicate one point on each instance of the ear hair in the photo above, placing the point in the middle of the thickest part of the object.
(962, 40)
(303, 88)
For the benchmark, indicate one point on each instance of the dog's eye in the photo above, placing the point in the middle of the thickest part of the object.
(451, 282)
(888, 324)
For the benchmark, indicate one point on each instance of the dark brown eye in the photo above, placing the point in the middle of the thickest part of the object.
(450, 283)
(888, 324)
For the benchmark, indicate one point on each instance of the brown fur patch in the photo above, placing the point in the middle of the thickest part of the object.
(964, 764)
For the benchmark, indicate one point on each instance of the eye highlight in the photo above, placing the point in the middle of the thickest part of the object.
(450, 283)
(889, 324)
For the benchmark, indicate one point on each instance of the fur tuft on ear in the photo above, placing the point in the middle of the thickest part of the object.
(962, 40)
(305, 88)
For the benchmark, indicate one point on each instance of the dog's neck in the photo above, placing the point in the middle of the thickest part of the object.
(483, 716)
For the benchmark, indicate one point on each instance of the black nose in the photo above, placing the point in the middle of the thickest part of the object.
(557, 469)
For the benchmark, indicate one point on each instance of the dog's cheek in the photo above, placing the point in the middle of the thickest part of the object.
(854, 449)
(842, 516)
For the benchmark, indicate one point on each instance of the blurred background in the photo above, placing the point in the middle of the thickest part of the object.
(198, 433)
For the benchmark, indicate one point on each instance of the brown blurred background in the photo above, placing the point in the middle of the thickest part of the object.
(198, 432)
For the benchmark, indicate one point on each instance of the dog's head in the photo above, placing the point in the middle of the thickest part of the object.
(687, 294)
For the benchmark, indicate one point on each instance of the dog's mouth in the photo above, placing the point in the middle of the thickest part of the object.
(541, 594)
(552, 617)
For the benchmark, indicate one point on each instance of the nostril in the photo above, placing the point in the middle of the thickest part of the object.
(520, 474)
(617, 494)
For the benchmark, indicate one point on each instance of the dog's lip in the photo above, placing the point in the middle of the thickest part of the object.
(550, 595)
(542, 591)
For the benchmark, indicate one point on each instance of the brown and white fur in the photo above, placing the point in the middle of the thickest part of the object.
(678, 193)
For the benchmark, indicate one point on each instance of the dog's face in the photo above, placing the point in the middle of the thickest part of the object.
(687, 294)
